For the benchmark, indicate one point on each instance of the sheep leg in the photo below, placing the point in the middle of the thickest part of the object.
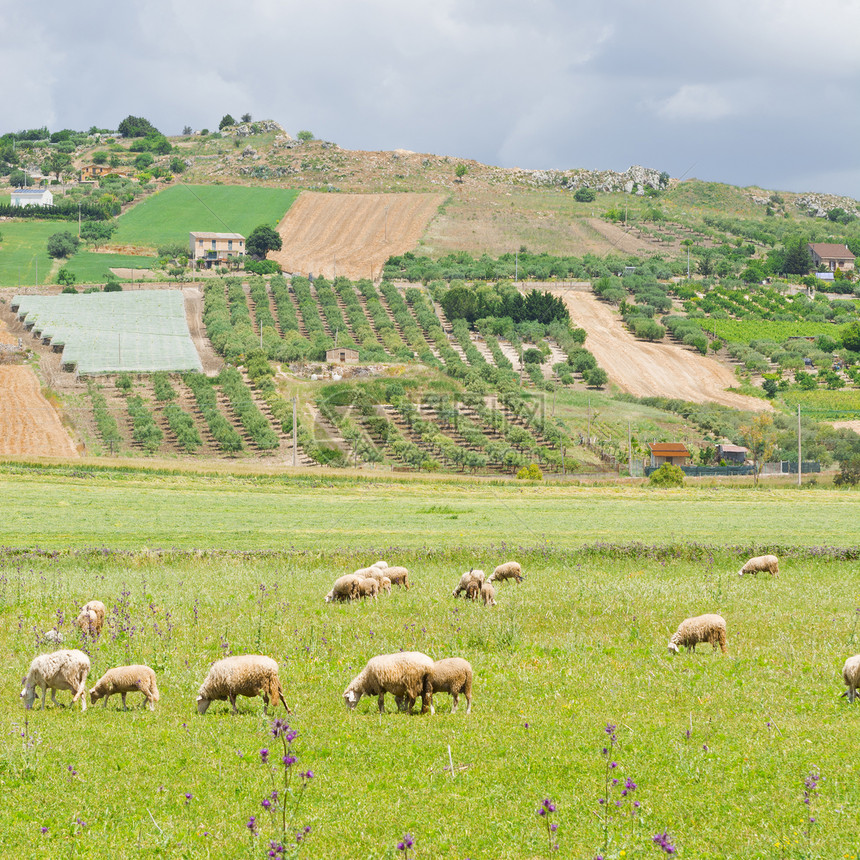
(232, 698)
(851, 694)
(468, 703)
(381, 703)
(456, 698)
(53, 699)
(123, 701)
(104, 700)
(44, 691)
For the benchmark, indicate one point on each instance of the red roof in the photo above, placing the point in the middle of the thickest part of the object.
(669, 449)
(823, 249)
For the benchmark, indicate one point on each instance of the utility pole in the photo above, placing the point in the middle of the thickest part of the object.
(516, 267)
(629, 451)
(588, 440)
(295, 436)
(562, 460)
(799, 458)
(79, 219)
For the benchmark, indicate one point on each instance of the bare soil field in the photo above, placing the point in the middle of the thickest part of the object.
(352, 234)
(647, 369)
(28, 423)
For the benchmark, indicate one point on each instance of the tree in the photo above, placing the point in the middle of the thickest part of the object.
(850, 336)
(460, 171)
(143, 160)
(65, 277)
(100, 157)
(186, 130)
(770, 387)
(797, 260)
(305, 136)
(246, 117)
(667, 475)
(849, 472)
(62, 244)
(97, 233)
(136, 126)
(17, 178)
(585, 195)
(760, 439)
(596, 377)
(56, 162)
(262, 240)
(226, 120)
(177, 164)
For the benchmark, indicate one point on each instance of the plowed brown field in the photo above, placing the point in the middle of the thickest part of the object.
(28, 423)
(651, 369)
(352, 233)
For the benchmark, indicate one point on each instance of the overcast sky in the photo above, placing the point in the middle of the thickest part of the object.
(749, 92)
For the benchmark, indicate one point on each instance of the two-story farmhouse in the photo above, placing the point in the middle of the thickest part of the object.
(215, 249)
(832, 257)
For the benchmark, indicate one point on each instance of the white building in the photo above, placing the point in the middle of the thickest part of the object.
(32, 197)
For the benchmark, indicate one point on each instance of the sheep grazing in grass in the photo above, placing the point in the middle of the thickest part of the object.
(488, 594)
(345, 588)
(398, 576)
(702, 628)
(124, 680)
(452, 675)
(851, 676)
(53, 637)
(380, 564)
(761, 563)
(245, 675)
(471, 575)
(66, 669)
(91, 618)
(508, 570)
(368, 588)
(405, 674)
(472, 591)
(376, 573)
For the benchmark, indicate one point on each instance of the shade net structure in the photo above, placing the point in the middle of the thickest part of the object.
(141, 331)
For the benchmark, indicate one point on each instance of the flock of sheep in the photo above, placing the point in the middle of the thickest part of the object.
(407, 675)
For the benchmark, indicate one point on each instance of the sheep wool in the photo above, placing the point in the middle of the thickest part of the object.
(452, 675)
(398, 575)
(345, 588)
(244, 675)
(761, 563)
(702, 628)
(472, 590)
(488, 594)
(508, 570)
(368, 588)
(91, 618)
(469, 576)
(851, 676)
(124, 680)
(405, 674)
(66, 669)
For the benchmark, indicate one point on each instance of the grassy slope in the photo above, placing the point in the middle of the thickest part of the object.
(24, 249)
(169, 215)
(91, 267)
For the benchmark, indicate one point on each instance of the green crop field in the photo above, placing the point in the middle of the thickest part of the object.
(826, 405)
(170, 215)
(744, 331)
(713, 749)
(24, 250)
(90, 267)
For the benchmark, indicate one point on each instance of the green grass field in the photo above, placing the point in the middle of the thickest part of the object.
(826, 405)
(744, 331)
(718, 746)
(90, 267)
(170, 215)
(24, 250)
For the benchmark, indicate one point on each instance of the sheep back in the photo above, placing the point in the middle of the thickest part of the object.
(488, 594)
(66, 669)
(91, 617)
(702, 628)
(403, 674)
(344, 588)
(761, 563)
(247, 675)
(507, 570)
(368, 588)
(398, 575)
(127, 679)
(452, 675)
(469, 576)
(851, 676)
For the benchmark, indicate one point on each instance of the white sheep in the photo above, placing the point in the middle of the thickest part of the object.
(368, 588)
(380, 564)
(398, 576)
(508, 570)
(91, 618)
(471, 575)
(405, 674)
(124, 680)
(472, 591)
(452, 675)
(376, 573)
(53, 637)
(851, 676)
(345, 588)
(66, 669)
(488, 594)
(243, 675)
(769, 563)
(703, 628)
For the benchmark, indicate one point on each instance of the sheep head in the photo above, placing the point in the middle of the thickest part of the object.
(28, 694)
(202, 705)
(673, 646)
(351, 698)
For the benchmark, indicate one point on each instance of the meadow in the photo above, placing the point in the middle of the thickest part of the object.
(91, 267)
(718, 747)
(169, 215)
(24, 250)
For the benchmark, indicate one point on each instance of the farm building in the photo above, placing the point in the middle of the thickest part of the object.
(341, 355)
(832, 257)
(32, 197)
(675, 453)
(732, 453)
(95, 171)
(208, 249)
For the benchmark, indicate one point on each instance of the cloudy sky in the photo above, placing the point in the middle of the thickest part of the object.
(751, 92)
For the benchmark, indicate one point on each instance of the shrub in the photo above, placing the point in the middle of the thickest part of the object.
(532, 472)
(667, 476)
(62, 244)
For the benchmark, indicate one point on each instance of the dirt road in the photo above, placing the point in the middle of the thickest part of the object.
(353, 234)
(28, 423)
(651, 369)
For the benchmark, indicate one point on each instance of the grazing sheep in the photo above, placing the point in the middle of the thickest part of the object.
(851, 676)
(244, 675)
(702, 628)
(405, 674)
(124, 680)
(769, 563)
(345, 588)
(91, 618)
(452, 675)
(376, 573)
(66, 669)
(508, 570)
(380, 564)
(385, 585)
(398, 576)
(471, 575)
(53, 637)
(472, 591)
(488, 594)
(368, 588)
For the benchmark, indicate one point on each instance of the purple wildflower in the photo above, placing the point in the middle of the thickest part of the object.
(188, 798)
(664, 841)
(264, 755)
(406, 843)
(252, 825)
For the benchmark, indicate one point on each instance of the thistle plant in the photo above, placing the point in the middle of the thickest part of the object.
(617, 804)
(405, 846)
(810, 789)
(545, 811)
